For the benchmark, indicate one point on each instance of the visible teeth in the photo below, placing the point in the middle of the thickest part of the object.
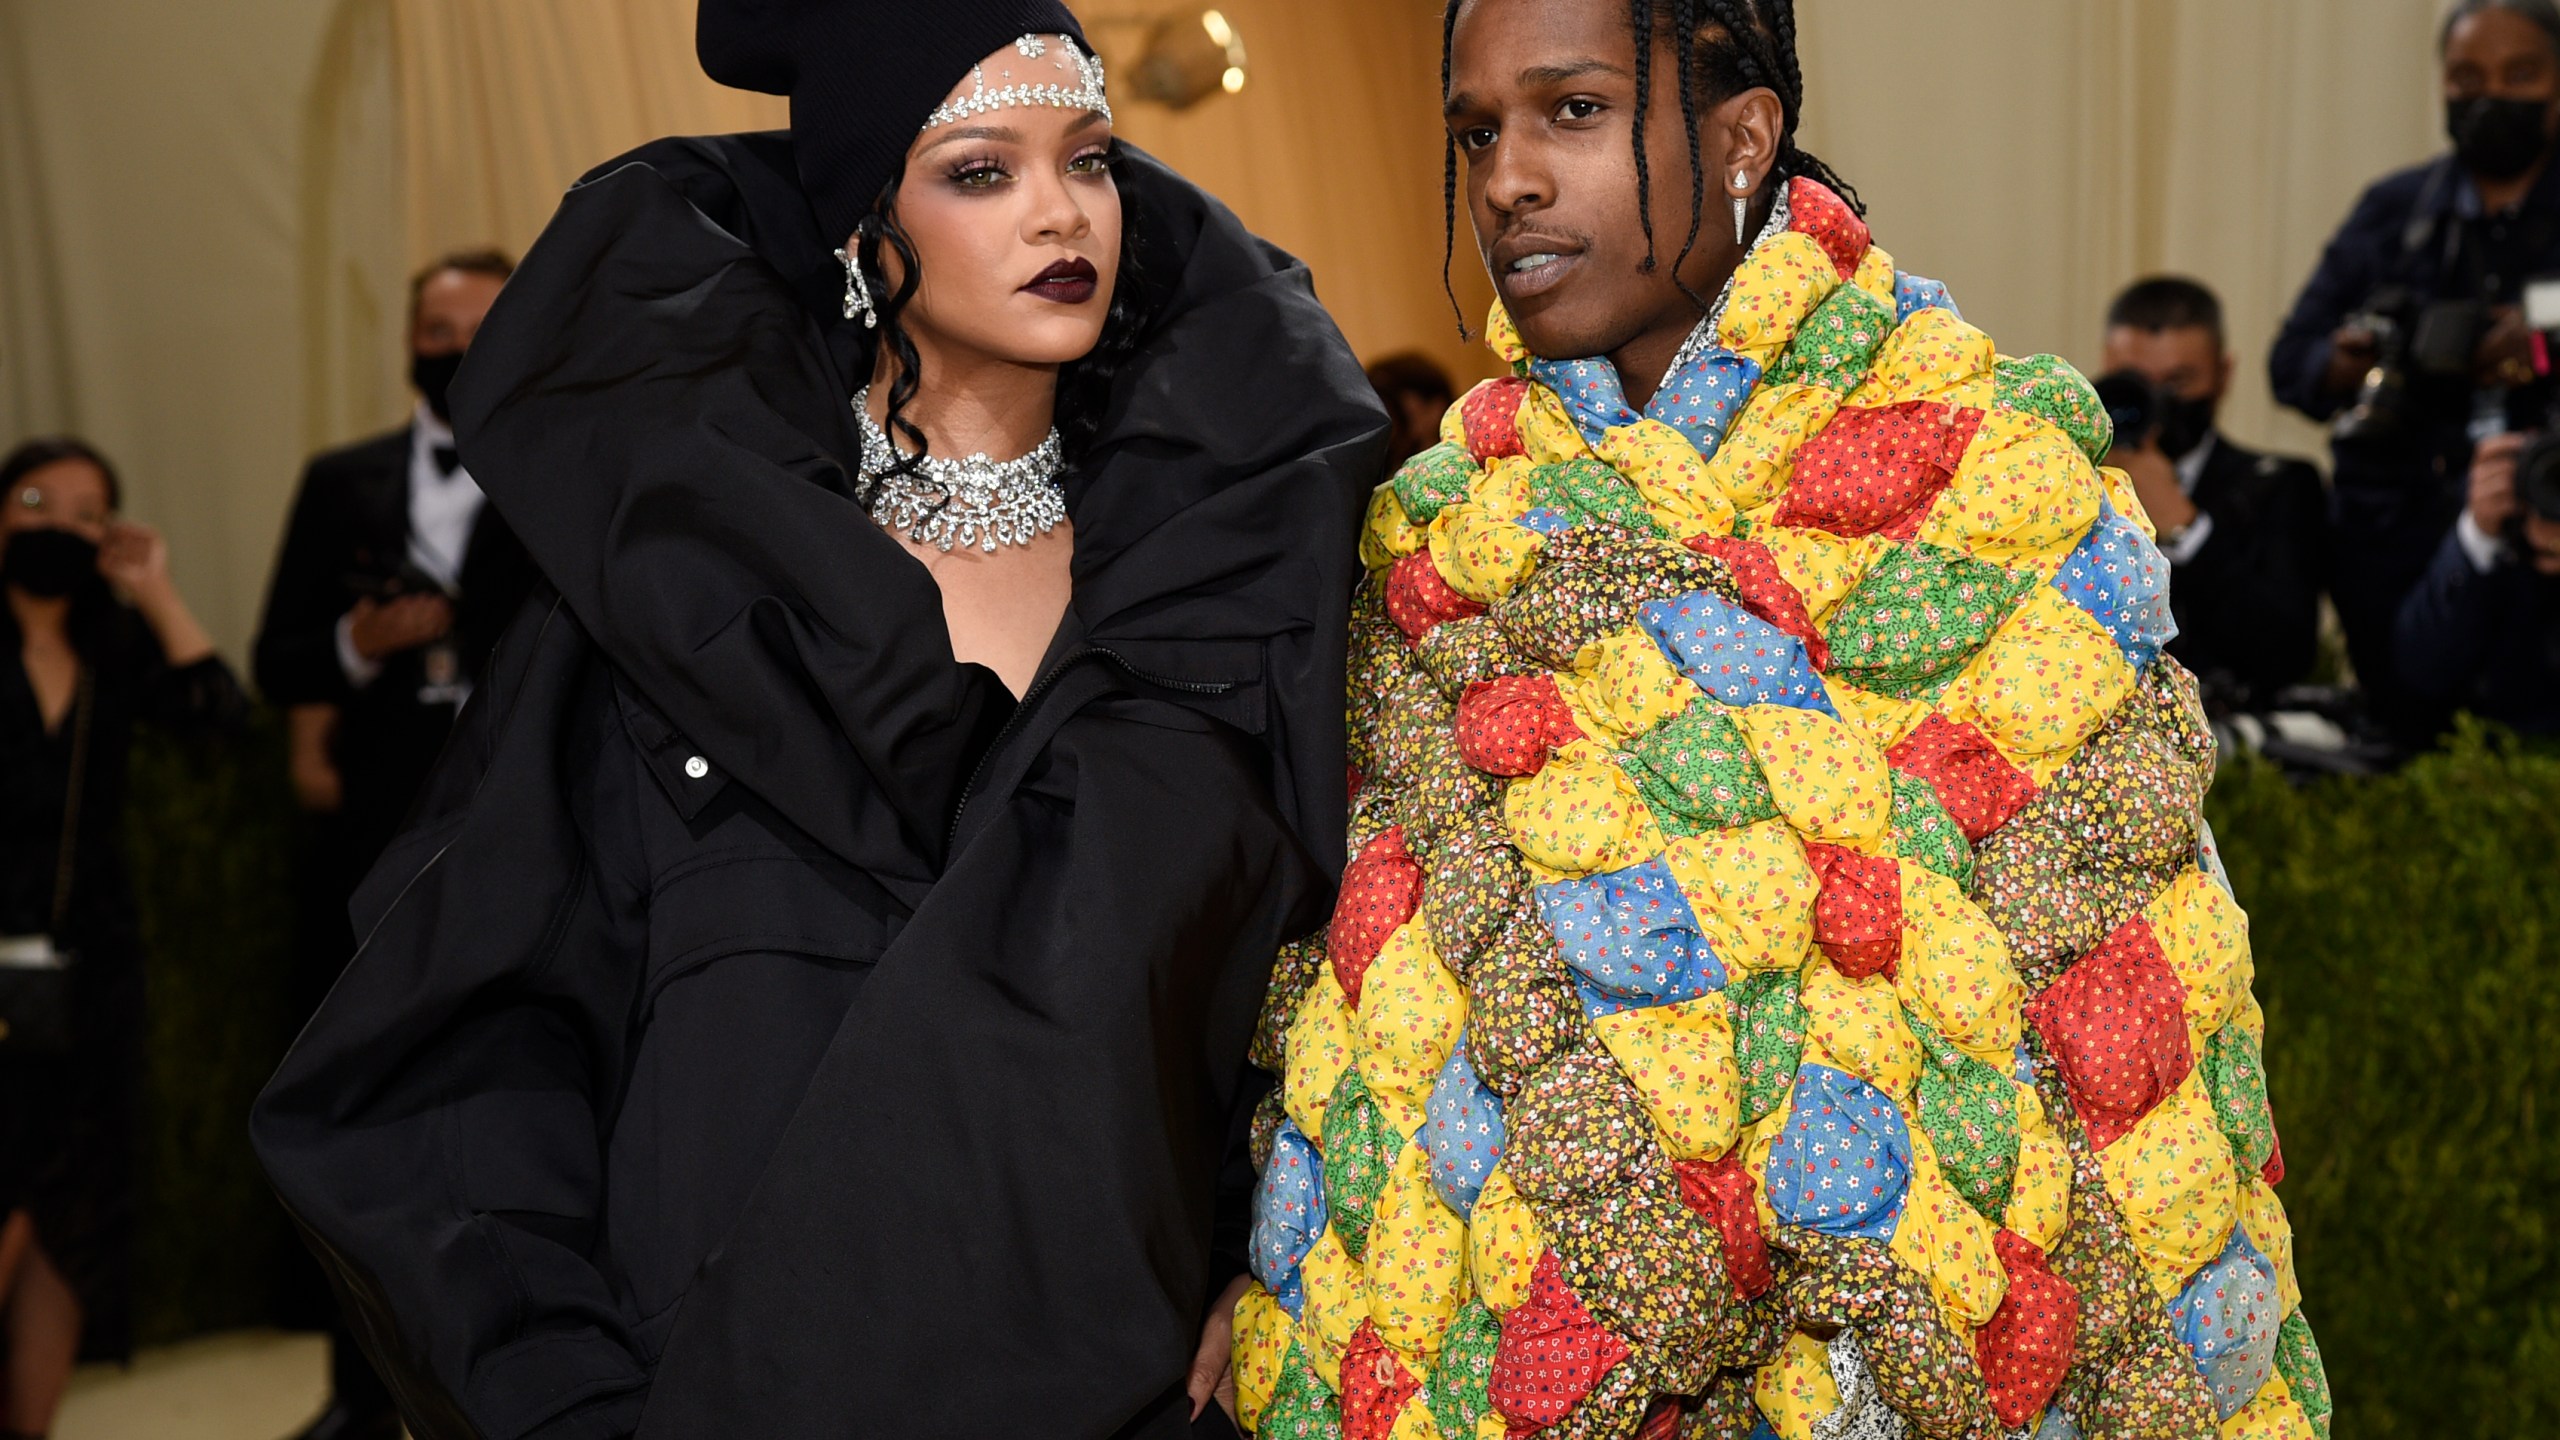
(1532, 262)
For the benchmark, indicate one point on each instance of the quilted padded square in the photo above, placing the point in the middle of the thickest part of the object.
(1721, 1190)
(1510, 724)
(1765, 591)
(1917, 616)
(1461, 1132)
(1813, 209)
(1733, 654)
(2048, 387)
(1696, 773)
(1630, 938)
(1491, 416)
(1977, 784)
(1873, 471)
(1857, 920)
(1837, 342)
(1381, 889)
(2228, 1318)
(1288, 1215)
(1436, 478)
(1551, 1353)
(2027, 1346)
(1843, 1164)
(2116, 1024)
(2122, 580)
(1592, 493)
(1419, 596)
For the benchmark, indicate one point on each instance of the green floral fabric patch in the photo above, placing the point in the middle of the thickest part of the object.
(1434, 480)
(2298, 1361)
(1837, 343)
(1359, 1145)
(1918, 615)
(1590, 491)
(1463, 1375)
(1971, 1113)
(2047, 386)
(1696, 773)
(2235, 1075)
(1925, 834)
(1301, 1407)
(1768, 1037)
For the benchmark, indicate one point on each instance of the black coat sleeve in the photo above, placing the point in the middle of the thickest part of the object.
(295, 657)
(2350, 268)
(2446, 624)
(436, 1130)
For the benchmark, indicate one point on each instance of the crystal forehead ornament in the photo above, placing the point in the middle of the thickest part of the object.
(1088, 93)
(960, 503)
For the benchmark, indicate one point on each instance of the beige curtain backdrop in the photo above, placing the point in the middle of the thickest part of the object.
(208, 212)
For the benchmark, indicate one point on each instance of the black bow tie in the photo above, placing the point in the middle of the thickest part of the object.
(448, 460)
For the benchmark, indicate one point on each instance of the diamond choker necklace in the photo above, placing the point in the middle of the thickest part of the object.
(971, 501)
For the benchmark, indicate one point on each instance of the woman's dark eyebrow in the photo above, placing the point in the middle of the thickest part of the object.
(1001, 134)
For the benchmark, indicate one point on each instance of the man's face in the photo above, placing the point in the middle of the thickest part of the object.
(2500, 54)
(450, 308)
(2182, 361)
(1542, 106)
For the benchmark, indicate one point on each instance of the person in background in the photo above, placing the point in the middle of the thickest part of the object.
(392, 586)
(1416, 392)
(2482, 629)
(100, 641)
(2246, 534)
(2410, 334)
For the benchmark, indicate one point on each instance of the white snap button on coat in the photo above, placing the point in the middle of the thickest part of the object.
(697, 767)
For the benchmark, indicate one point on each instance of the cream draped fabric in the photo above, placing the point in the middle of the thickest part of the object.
(208, 212)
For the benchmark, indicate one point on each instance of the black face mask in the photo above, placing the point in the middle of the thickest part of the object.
(2183, 424)
(2498, 139)
(49, 562)
(433, 375)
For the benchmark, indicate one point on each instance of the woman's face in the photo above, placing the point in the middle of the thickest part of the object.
(65, 495)
(1015, 221)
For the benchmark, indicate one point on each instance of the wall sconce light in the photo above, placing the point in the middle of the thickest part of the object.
(1188, 59)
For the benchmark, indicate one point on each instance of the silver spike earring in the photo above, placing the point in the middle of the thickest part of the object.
(857, 291)
(1742, 208)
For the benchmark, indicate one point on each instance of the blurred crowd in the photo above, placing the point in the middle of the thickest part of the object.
(2335, 622)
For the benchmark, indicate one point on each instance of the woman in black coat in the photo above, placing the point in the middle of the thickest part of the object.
(87, 664)
(812, 996)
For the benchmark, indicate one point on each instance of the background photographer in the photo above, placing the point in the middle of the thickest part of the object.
(2409, 333)
(2245, 534)
(2482, 629)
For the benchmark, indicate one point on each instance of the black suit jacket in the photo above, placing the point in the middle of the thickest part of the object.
(2248, 603)
(348, 538)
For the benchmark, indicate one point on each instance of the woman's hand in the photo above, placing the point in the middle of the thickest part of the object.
(135, 560)
(1213, 1370)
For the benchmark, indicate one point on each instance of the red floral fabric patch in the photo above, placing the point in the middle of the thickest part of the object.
(2273, 1171)
(2117, 1025)
(1812, 209)
(1419, 597)
(1874, 472)
(1976, 783)
(1662, 1422)
(1551, 1353)
(1857, 918)
(1381, 889)
(1491, 413)
(1375, 1386)
(2026, 1346)
(1765, 590)
(1721, 1190)
(1510, 724)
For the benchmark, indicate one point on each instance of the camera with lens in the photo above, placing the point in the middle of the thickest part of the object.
(2429, 344)
(2141, 411)
(2538, 468)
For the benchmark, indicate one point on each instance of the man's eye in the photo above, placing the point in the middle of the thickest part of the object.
(1579, 109)
(1475, 137)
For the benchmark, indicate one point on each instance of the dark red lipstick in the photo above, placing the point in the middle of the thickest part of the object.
(1069, 282)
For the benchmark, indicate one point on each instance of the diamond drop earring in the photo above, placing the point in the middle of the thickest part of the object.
(1742, 208)
(857, 292)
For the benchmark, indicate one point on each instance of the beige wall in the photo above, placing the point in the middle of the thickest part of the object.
(207, 209)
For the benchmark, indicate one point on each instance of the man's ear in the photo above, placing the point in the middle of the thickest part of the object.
(1753, 121)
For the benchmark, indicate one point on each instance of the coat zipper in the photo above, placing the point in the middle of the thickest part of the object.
(1042, 687)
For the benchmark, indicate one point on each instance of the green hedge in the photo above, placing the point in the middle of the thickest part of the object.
(2407, 934)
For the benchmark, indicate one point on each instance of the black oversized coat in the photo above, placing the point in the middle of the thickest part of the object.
(766, 1028)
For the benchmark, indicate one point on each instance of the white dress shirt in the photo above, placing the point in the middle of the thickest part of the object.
(442, 510)
(2190, 468)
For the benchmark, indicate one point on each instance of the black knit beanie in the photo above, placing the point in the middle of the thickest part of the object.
(862, 76)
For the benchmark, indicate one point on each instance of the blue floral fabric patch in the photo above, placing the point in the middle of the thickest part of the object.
(1461, 1132)
(1843, 1166)
(2122, 580)
(1288, 1215)
(2228, 1318)
(1733, 654)
(1630, 938)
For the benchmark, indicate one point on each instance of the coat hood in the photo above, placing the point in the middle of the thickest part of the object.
(658, 406)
